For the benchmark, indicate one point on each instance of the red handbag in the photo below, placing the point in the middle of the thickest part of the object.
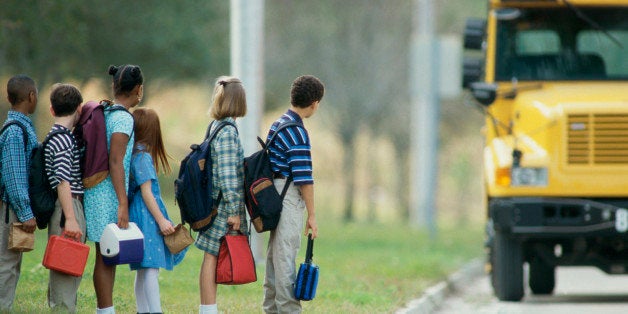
(235, 260)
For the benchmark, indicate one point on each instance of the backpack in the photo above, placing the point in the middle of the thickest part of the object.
(91, 136)
(42, 196)
(263, 202)
(193, 187)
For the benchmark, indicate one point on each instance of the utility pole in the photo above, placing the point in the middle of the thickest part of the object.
(247, 63)
(425, 117)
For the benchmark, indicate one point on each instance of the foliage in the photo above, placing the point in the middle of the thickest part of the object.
(358, 48)
(78, 40)
(366, 268)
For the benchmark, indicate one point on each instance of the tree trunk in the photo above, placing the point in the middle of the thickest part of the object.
(402, 182)
(349, 169)
(372, 179)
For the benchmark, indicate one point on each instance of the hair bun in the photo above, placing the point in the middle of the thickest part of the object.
(135, 71)
(113, 70)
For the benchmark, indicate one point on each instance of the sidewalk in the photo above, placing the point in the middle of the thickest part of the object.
(434, 296)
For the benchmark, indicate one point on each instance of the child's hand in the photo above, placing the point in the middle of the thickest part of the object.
(166, 227)
(311, 225)
(29, 225)
(234, 222)
(72, 229)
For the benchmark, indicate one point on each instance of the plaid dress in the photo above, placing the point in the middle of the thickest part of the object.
(228, 176)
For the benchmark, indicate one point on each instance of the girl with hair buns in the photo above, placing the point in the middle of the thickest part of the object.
(107, 202)
(228, 103)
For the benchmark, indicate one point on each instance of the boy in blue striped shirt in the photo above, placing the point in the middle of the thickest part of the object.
(16, 144)
(290, 157)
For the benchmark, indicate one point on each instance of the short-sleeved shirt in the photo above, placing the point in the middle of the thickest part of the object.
(290, 152)
(15, 163)
(101, 201)
(156, 254)
(63, 157)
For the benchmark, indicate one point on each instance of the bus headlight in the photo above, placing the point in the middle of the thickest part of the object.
(522, 176)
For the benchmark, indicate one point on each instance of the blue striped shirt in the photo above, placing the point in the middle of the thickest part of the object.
(15, 164)
(290, 151)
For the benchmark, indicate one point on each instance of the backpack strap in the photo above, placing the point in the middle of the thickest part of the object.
(108, 105)
(209, 136)
(25, 137)
(24, 131)
(280, 127)
(53, 133)
(44, 143)
(266, 145)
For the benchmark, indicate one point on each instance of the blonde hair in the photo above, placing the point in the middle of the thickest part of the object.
(228, 99)
(148, 132)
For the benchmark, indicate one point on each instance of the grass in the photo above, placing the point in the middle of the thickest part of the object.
(365, 268)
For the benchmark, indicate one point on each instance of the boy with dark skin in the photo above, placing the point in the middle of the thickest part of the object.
(14, 165)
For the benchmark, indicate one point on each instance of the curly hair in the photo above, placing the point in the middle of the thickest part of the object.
(306, 89)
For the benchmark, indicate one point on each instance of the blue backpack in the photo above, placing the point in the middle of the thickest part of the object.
(193, 187)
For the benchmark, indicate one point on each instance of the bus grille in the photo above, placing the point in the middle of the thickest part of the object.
(597, 139)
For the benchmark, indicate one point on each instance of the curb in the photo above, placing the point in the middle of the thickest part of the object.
(434, 296)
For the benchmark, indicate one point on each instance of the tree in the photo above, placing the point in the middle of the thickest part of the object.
(359, 49)
(60, 40)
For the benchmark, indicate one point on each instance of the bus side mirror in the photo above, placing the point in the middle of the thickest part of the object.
(484, 93)
(474, 33)
(472, 69)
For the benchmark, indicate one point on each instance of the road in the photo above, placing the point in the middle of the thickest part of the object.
(578, 290)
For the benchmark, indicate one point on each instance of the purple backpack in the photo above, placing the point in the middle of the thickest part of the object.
(91, 136)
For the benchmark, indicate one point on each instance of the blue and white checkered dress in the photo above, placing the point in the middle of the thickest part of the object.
(228, 176)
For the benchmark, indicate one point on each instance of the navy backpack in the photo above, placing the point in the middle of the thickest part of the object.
(193, 187)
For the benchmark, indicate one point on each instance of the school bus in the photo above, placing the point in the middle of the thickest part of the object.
(551, 77)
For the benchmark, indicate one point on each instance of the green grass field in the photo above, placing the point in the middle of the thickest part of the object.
(363, 269)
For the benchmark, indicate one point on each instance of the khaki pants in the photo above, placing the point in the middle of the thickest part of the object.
(10, 261)
(62, 288)
(283, 246)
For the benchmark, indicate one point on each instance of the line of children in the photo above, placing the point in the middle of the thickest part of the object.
(137, 155)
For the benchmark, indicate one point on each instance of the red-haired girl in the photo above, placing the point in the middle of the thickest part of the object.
(147, 209)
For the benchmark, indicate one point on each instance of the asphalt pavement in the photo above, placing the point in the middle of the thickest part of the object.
(435, 296)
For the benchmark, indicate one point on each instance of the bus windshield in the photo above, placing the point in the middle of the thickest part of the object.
(557, 44)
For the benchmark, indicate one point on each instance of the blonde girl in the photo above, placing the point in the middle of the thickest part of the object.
(228, 103)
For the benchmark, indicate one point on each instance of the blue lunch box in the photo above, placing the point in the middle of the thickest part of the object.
(122, 246)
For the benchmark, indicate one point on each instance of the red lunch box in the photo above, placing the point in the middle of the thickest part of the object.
(66, 255)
